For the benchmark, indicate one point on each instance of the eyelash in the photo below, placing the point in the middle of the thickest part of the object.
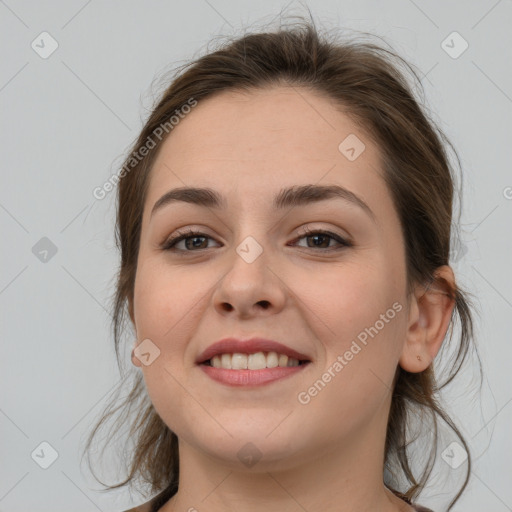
(169, 244)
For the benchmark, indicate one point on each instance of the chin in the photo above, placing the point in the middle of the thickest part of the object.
(253, 449)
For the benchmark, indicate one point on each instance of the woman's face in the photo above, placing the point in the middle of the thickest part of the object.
(253, 272)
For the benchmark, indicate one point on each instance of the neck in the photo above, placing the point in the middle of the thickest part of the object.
(347, 478)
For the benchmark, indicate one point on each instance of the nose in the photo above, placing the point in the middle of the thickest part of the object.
(250, 288)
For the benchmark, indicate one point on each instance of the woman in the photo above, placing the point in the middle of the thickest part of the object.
(284, 223)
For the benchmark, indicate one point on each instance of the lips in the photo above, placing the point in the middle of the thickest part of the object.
(251, 346)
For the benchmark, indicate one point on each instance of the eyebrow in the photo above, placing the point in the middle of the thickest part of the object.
(299, 195)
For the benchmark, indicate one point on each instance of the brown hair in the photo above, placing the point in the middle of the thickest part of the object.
(363, 79)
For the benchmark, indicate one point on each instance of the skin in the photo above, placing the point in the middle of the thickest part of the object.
(325, 455)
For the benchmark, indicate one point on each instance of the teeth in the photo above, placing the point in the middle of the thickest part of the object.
(272, 360)
(257, 361)
(239, 361)
(225, 361)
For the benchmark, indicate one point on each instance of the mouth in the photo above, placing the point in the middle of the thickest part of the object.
(252, 354)
(255, 361)
(252, 362)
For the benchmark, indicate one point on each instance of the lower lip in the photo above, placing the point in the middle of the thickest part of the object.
(250, 377)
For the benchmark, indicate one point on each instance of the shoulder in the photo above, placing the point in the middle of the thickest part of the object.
(146, 507)
(419, 508)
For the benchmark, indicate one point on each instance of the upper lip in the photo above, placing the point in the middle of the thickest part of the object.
(250, 346)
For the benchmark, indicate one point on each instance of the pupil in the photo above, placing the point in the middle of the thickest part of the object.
(316, 238)
(194, 244)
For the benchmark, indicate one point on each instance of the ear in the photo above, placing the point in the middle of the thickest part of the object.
(135, 360)
(429, 317)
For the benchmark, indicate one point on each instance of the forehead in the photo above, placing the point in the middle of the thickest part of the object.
(248, 145)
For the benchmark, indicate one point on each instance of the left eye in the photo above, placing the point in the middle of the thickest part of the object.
(320, 237)
(197, 240)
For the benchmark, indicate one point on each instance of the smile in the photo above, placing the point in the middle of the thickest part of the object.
(257, 361)
(251, 369)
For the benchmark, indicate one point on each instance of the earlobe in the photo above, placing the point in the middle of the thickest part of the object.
(429, 318)
(135, 360)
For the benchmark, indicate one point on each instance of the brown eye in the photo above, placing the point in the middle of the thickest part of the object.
(322, 239)
(196, 240)
(192, 240)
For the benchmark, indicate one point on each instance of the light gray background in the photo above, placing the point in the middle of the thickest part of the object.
(66, 122)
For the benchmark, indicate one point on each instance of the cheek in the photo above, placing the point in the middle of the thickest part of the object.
(164, 301)
(362, 322)
(348, 298)
(361, 310)
(167, 307)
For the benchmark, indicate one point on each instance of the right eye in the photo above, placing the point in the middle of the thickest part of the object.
(186, 236)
